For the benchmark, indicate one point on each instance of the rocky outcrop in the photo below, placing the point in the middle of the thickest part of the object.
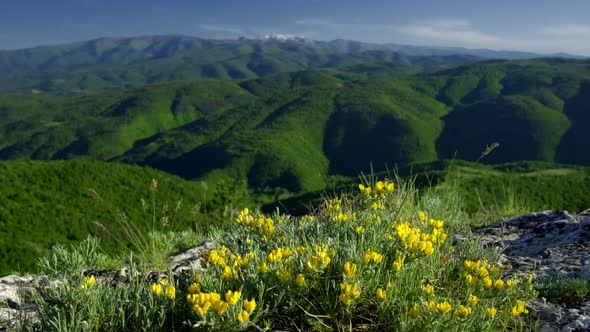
(544, 244)
(15, 299)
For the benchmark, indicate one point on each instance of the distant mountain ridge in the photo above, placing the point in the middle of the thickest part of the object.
(114, 63)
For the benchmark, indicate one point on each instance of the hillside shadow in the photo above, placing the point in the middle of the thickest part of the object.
(354, 140)
(194, 163)
(468, 130)
(575, 144)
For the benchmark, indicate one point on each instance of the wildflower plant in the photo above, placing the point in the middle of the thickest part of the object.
(320, 272)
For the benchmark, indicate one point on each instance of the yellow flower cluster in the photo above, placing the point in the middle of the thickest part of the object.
(414, 239)
(381, 189)
(519, 308)
(350, 269)
(381, 294)
(276, 255)
(218, 257)
(491, 312)
(399, 262)
(348, 292)
(442, 308)
(88, 282)
(428, 289)
(284, 275)
(320, 260)
(300, 280)
(169, 291)
(337, 213)
(372, 257)
(265, 225)
(249, 306)
(463, 311)
(484, 271)
(202, 302)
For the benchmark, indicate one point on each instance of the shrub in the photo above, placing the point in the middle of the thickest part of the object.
(361, 261)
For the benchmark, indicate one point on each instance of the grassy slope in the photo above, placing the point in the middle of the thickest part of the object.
(49, 202)
(495, 191)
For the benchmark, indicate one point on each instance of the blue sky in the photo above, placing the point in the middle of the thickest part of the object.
(545, 26)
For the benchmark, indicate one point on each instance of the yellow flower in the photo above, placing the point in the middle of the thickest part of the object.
(499, 284)
(444, 307)
(221, 307)
(483, 272)
(491, 312)
(381, 294)
(371, 256)
(284, 275)
(157, 289)
(463, 311)
(262, 267)
(471, 280)
(350, 269)
(199, 310)
(468, 263)
(243, 316)
(300, 280)
(232, 297)
(88, 282)
(473, 300)
(414, 311)
(349, 292)
(250, 305)
(399, 262)
(359, 229)
(228, 274)
(389, 187)
(170, 292)
(194, 288)
(431, 305)
(428, 289)
(487, 282)
(422, 216)
(509, 282)
(519, 308)
(427, 247)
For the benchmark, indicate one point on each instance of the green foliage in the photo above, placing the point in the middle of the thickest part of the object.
(563, 290)
(353, 263)
(46, 203)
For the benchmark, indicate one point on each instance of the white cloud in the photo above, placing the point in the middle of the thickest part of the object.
(571, 38)
(569, 31)
(449, 32)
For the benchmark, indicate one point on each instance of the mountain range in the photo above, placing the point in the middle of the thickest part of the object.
(114, 63)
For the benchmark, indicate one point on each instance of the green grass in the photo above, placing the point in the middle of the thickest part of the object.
(46, 203)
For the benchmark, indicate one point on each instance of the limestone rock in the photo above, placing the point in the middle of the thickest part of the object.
(545, 243)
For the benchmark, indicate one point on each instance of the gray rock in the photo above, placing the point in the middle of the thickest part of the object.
(190, 260)
(545, 243)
